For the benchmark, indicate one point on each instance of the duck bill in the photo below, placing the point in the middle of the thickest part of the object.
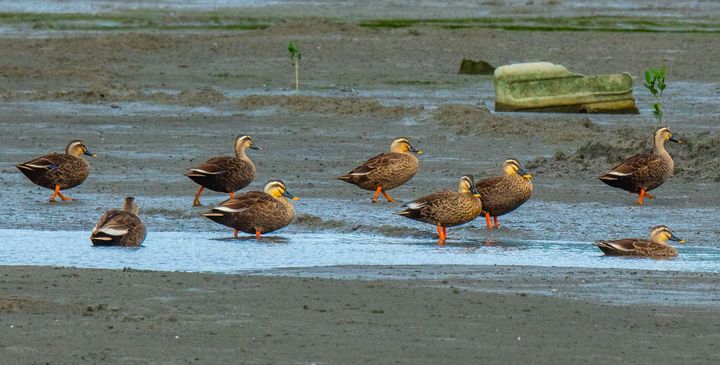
(88, 153)
(676, 239)
(290, 196)
(475, 193)
(254, 147)
(525, 174)
(418, 151)
(672, 139)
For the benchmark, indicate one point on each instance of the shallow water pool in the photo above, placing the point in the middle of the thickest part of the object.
(211, 252)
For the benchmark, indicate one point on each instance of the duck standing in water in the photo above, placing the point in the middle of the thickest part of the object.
(503, 194)
(256, 212)
(386, 171)
(120, 227)
(644, 172)
(59, 171)
(657, 246)
(225, 174)
(446, 208)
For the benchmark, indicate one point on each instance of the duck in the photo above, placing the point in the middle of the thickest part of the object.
(657, 246)
(59, 171)
(225, 174)
(641, 173)
(120, 227)
(386, 171)
(505, 193)
(256, 212)
(446, 208)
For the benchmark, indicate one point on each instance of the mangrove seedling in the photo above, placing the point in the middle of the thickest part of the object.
(655, 83)
(295, 57)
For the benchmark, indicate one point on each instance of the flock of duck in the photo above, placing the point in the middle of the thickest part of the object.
(259, 212)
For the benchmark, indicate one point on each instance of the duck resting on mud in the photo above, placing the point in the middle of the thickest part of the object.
(657, 246)
(386, 171)
(644, 172)
(120, 227)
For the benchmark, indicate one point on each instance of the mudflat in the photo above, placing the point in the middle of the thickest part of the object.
(66, 315)
(155, 94)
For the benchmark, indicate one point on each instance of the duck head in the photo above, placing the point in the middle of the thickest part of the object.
(663, 134)
(77, 148)
(661, 234)
(243, 142)
(402, 145)
(277, 189)
(512, 167)
(130, 205)
(467, 186)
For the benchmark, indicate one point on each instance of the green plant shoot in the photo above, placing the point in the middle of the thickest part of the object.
(655, 83)
(295, 57)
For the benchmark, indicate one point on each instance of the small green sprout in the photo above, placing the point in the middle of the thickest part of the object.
(295, 57)
(655, 83)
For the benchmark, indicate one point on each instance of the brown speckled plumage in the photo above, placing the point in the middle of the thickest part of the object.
(644, 172)
(256, 211)
(386, 171)
(223, 174)
(120, 227)
(656, 246)
(66, 170)
(226, 174)
(389, 170)
(503, 194)
(444, 208)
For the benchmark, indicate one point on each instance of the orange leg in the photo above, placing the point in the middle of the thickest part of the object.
(387, 196)
(441, 235)
(56, 193)
(642, 195)
(497, 224)
(487, 220)
(377, 194)
(232, 194)
(196, 202)
(257, 233)
(235, 233)
(444, 233)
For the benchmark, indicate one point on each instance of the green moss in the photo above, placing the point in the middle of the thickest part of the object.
(599, 23)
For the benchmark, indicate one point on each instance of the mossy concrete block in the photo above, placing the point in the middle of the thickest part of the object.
(470, 67)
(543, 86)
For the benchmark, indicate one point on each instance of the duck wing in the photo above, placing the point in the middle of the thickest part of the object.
(371, 166)
(212, 167)
(113, 225)
(630, 166)
(426, 207)
(243, 205)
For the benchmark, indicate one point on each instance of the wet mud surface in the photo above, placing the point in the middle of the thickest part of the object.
(151, 104)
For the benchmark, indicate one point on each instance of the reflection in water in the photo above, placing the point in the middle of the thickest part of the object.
(199, 251)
